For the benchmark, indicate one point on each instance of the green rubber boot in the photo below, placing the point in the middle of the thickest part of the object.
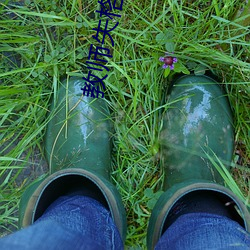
(198, 123)
(78, 149)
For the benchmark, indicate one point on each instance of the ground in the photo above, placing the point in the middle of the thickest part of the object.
(43, 42)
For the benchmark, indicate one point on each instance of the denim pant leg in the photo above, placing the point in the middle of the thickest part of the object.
(76, 222)
(204, 231)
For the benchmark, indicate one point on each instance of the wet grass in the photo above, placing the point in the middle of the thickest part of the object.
(44, 41)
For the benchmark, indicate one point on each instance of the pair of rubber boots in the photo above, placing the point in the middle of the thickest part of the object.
(197, 130)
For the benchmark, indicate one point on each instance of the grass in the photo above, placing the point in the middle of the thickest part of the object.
(45, 41)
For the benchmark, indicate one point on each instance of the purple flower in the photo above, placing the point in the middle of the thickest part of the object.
(168, 61)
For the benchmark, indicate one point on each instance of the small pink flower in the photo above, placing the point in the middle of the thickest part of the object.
(168, 61)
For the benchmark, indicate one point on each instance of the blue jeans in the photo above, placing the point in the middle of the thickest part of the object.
(204, 231)
(76, 222)
(80, 222)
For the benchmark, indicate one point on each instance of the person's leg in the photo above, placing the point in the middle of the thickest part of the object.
(197, 137)
(71, 222)
(204, 231)
(78, 149)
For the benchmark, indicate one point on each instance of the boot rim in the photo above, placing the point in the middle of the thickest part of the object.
(107, 189)
(164, 205)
